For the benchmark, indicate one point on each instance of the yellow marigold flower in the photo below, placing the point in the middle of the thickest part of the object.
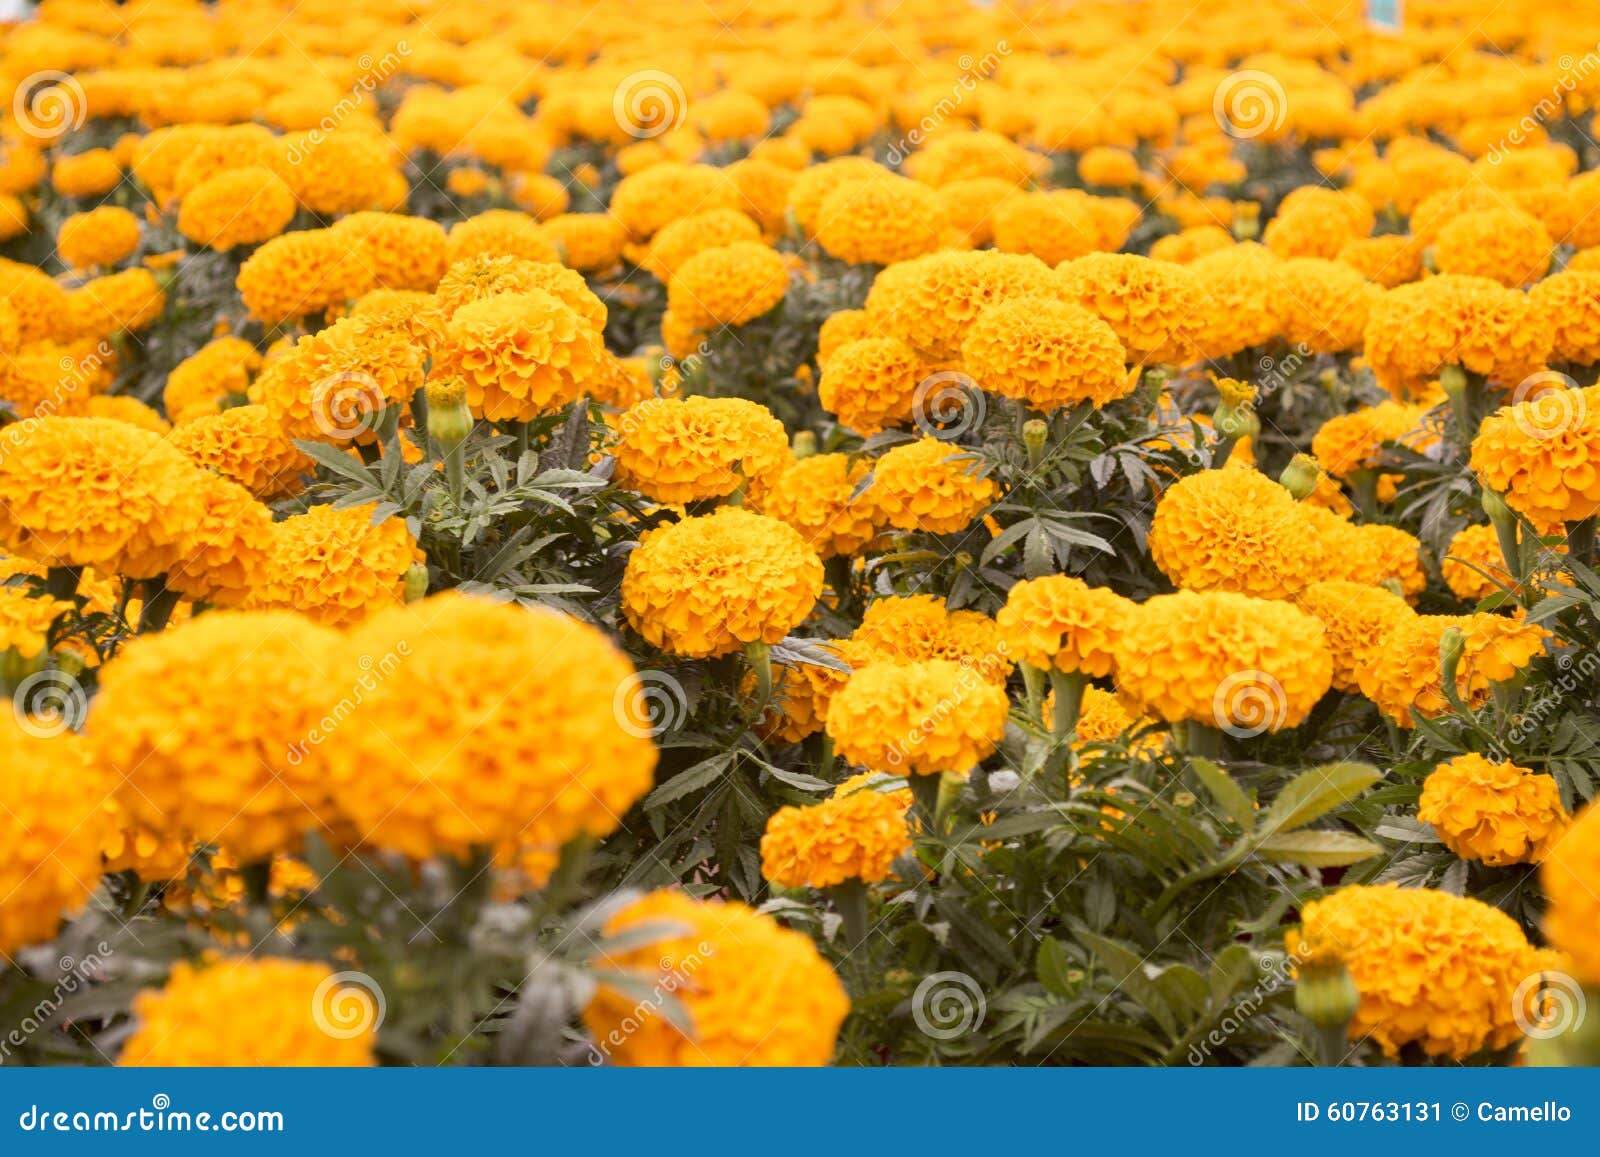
(1347, 443)
(1048, 354)
(1317, 222)
(1054, 227)
(246, 444)
(45, 381)
(1568, 875)
(728, 285)
(255, 786)
(25, 618)
(303, 272)
(93, 492)
(879, 221)
(1415, 331)
(817, 496)
(1234, 530)
(683, 238)
(538, 193)
(764, 188)
(332, 385)
(467, 182)
(489, 723)
(1356, 618)
(685, 450)
(1389, 260)
(50, 828)
(478, 278)
(1102, 718)
(926, 485)
(1153, 306)
(1244, 291)
(40, 305)
(222, 557)
(755, 993)
(1063, 623)
(153, 856)
(839, 329)
(1570, 301)
(219, 370)
(1503, 245)
(871, 384)
(855, 835)
(285, 1013)
(646, 201)
(707, 586)
(931, 302)
(237, 207)
(1375, 554)
(960, 155)
(587, 242)
(520, 355)
(1404, 677)
(127, 302)
(1326, 305)
(1474, 550)
(1186, 246)
(339, 172)
(1223, 660)
(1498, 813)
(812, 186)
(499, 233)
(403, 252)
(730, 115)
(122, 408)
(1109, 168)
(917, 718)
(90, 173)
(968, 207)
(913, 628)
(335, 566)
(801, 693)
(102, 236)
(1434, 970)
(1543, 454)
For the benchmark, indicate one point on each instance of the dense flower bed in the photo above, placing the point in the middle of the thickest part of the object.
(799, 532)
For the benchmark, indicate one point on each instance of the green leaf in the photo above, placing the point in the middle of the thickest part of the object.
(702, 774)
(336, 461)
(1317, 849)
(1316, 792)
(1231, 968)
(1239, 806)
(1054, 967)
(1125, 966)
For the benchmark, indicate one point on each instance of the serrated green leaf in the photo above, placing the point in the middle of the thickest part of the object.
(1316, 792)
(1239, 806)
(1317, 849)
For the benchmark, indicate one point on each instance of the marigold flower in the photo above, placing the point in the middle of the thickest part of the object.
(254, 786)
(127, 302)
(1055, 226)
(403, 252)
(879, 221)
(1243, 288)
(39, 306)
(1498, 813)
(707, 586)
(855, 835)
(246, 444)
(871, 384)
(303, 272)
(50, 828)
(1570, 302)
(647, 201)
(914, 628)
(1435, 970)
(222, 557)
(1186, 246)
(284, 1013)
(1234, 530)
(801, 693)
(1568, 875)
(1223, 660)
(1048, 354)
(587, 242)
(686, 450)
(122, 408)
(499, 233)
(332, 385)
(520, 354)
(728, 285)
(244, 206)
(687, 236)
(817, 496)
(755, 993)
(1317, 222)
(917, 718)
(1543, 454)
(1390, 260)
(102, 236)
(1063, 623)
(219, 370)
(1404, 677)
(93, 492)
(1350, 442)
(1326, 305)
(488, 723)
(336, 566)
(1473, 551)
(479, 278)
(90, 173)
(1504, 245)
(968, 207)
(1153, 306)
(1356, 618)
(931, 302)
(926, 485)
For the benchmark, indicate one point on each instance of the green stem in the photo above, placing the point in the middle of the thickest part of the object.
(1580, 539)
(759, 656)
(1068, 688)
(1033, 680)
(826, 758)
(925, 794)
(159, 603)
(455, 472)
(850, 898)
(61, 582)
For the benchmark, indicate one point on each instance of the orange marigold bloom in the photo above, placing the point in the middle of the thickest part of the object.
(931, 302)
(520, 355)
(1234, 530)
(707, 586)
(1356, 618)
(1326, 305)
(335, 566)
(1317, 222)
(102, 236)
(879, 221)
(917, 718)
(478, 278)
(1404, 677)
(1153, 306)
(1063, 623)
(246, 444)
(1055, 226)
(871, 384)
(1543, 454)
(1390, 260)
(1048, 354)
(332, 385)
(817, 496)
(127, 302)
(926, 485)
(687, 236)
(587, 242)
(243, 206)
(1498, 813)
(685, 450)
(222, 557)
(855, 835)
(1570, 302)
(219, 370)
(1243, 288)
(403, 252)
(728, 285)
(1568, 875)
(303, 272)
(1504, 245)
(1347, 443)
(648, 200)
(499, 233)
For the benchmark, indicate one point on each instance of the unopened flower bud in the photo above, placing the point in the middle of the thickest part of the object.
(449, 420)
(1324, 992)
(1301, 476)
(416, 581)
